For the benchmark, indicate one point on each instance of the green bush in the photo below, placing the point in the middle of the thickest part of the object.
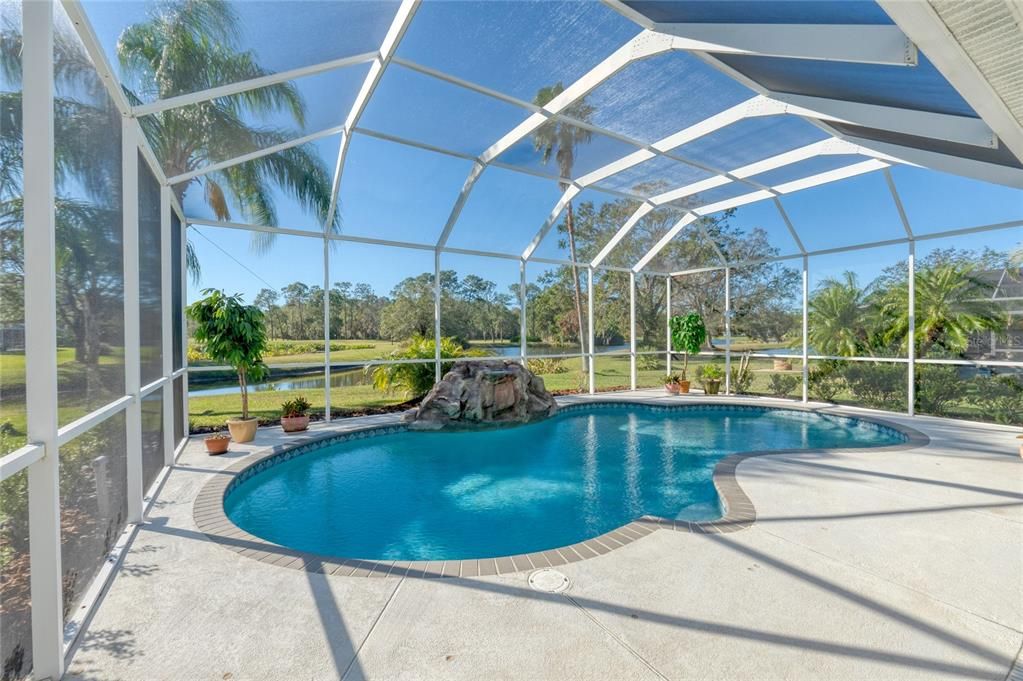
(938, 388)
(782, 385)
(648, 362)
(1001, 397)
(881, 385)
(415, 380)
(742, 375)
(824, 381)
(546, 365)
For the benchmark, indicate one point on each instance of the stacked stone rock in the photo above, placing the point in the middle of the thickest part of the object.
(482, 392)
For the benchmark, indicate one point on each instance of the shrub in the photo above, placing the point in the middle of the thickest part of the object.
(782, 385)
(877, 385)
(1002, 398)
(671, 379)
(546, 365)
(415, 380)
(937, 388)
(648, 362)
(824, 381)
(742, 375)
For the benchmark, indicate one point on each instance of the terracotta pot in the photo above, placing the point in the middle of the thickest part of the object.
(782, 365)
(294, 424)
(683, 386)
(217, 445)
(711, 387)
(242, 430)
(671, 388)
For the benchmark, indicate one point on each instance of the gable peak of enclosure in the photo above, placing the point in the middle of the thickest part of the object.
(836, 188)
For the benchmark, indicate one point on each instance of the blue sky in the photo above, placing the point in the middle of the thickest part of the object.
(393, 191)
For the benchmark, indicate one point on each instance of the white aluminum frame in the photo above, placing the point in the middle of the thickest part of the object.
(40, 456)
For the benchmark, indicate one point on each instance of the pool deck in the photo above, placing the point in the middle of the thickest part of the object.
(868, 564)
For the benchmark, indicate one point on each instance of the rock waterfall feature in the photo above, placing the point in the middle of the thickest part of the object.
(480, 393)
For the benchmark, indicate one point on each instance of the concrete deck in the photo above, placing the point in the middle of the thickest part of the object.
(882, 565)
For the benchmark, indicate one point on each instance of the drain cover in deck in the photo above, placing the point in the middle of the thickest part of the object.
(548, 580)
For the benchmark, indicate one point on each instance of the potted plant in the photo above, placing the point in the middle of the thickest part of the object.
(295, 415)
(710, 378)
(217, 443)
(687, 335)
(232, 333)
(671, 383)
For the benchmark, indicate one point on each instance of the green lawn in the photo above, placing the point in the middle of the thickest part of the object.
(360, 351)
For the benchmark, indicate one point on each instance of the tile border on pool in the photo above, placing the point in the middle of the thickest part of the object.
(740, 513)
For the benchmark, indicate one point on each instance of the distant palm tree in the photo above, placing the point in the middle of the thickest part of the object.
(559, 139)
(952, 303)
(836, 312)
(188, 46)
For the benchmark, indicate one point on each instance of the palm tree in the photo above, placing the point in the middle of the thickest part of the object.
(836, 317)
(189, 46)
(952, 303)
(558, 139)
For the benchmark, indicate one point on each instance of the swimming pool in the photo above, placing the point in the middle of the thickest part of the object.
(478, 494)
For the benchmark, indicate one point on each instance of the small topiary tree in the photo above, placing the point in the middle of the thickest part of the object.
(687, 335)
(232, 333)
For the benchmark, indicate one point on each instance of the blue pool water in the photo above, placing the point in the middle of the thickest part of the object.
(453, 495)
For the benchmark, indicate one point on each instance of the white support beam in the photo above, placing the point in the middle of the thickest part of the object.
(326, 330)
(667, 322)
(396, 31)
(591, 371)
(632, 330)
(463, 196)
(859, 43)
(132, 332)
(569, 194)
(689, 190)
(167, 323)
(898, 202)
(39, 236)
(646, 44)
(242, 86)
(924, 27)
(831, 176)
(789, 226)
(523, 337)
(662, 242)
(728, 330)
(911, 331)
(184, 324)
(436, 316)
(253, 155)
(734, 202)
(633, 220)
(822, 148)
(755, 106)
(806, 327)
(959, 129)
